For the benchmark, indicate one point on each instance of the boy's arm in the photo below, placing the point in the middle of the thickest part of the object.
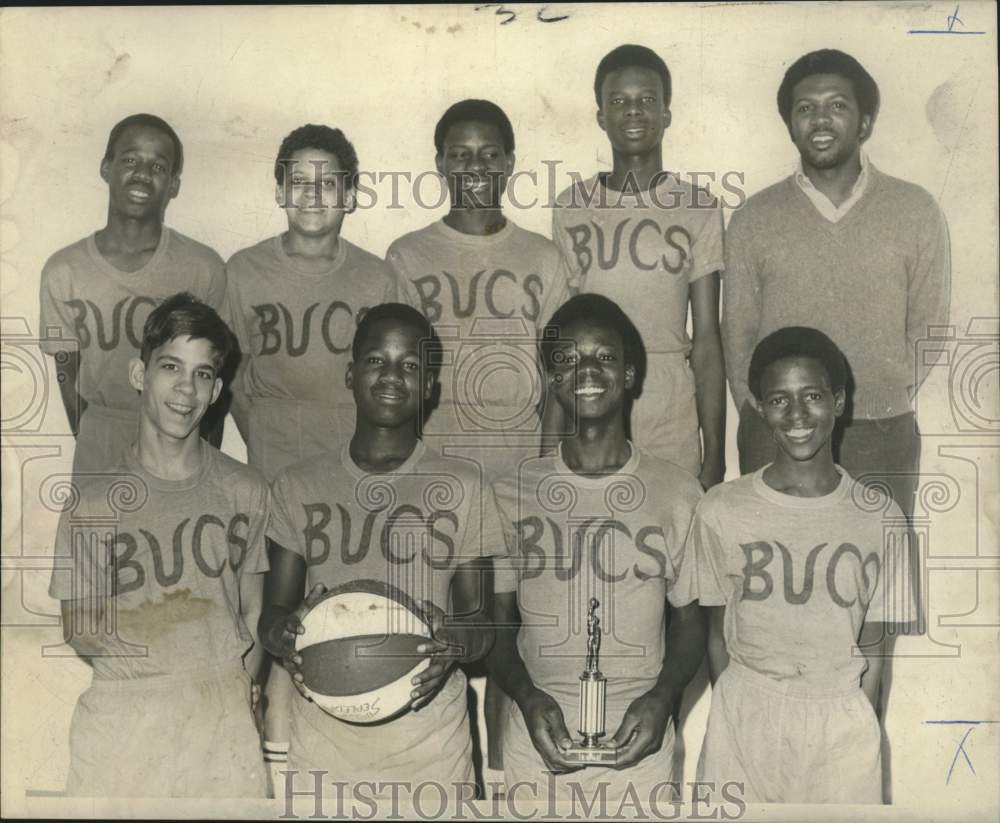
(710, 377)
(251, 603)
(542, 715)
(741, 310)
(718, 656)
(645, 722)
(464, 635)
(282, 592)
(872, 644)
(68, 375)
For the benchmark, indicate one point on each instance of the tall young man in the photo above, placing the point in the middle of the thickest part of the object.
(384, 506)
(600, 518)
(844, 248)
(652, 242)
(97, 293)
(162, 601)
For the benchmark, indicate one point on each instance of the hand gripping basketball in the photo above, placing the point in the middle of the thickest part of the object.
(293, 627)
(447, 648)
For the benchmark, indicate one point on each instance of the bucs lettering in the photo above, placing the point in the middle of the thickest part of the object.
(758, 573)
(515, 298)
(93, 328)
(193, 540)
(333, 325)
(649, 246)
(399, 534)
(547, 545)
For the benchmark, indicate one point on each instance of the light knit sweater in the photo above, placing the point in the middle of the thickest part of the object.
(876, 282)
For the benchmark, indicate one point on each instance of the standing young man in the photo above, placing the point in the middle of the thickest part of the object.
(97, 293)
(488, 286)
(356, 514)
(163, 604)
(846, 249)
(600, 518)
(653, 243)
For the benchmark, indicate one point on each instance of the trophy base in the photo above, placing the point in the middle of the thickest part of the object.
(603, 754)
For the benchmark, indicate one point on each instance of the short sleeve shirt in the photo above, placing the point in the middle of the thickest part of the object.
(642, 250)
(619, 539)
(87, 303)
(169, 559)
(800, 575)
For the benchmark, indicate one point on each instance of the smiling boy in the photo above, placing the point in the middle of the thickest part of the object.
(801, 569)
(164, 607)
(339, 517)
(97, 293)
(600, 518)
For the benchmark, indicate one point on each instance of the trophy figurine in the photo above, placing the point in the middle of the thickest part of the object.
(591, 751)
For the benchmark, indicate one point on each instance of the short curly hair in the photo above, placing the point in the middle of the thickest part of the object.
(628, 56)
(153, 122)
(797, 341)
(324, 138)
(483, 111)
(829, 61)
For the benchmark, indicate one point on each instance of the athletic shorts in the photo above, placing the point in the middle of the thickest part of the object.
(665, 415)
(186, 735)
(104, 435)
(283, 432)
(523, 764)
(790, 744)
(433, 744)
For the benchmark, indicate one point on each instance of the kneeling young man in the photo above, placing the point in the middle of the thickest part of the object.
(800, 567)
(170, 709)
(345, 516)
(600, 518)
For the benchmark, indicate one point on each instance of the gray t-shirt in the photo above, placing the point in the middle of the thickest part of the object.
(170, 558)
(619, 539)
(799, 576)
(101, 309)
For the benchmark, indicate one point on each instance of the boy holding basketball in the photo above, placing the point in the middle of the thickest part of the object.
(801, 569)
(97, 293)
(383, 506)
(159, 570)
(600, 518)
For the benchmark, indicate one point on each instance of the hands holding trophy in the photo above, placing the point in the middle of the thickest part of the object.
(591, 751)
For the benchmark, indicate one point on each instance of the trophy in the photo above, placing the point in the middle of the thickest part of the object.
(591, 751)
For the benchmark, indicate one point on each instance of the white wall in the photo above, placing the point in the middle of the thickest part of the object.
(233, 82)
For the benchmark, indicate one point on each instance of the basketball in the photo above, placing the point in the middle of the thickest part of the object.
(359, 651)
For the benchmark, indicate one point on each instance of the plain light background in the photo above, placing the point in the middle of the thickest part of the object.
(234, 81)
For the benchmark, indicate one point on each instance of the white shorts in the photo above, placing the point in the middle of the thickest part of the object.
(790, 744)
(433, 744)
(185, 735)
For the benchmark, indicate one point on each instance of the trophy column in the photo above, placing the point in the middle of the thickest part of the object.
(593, 684)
